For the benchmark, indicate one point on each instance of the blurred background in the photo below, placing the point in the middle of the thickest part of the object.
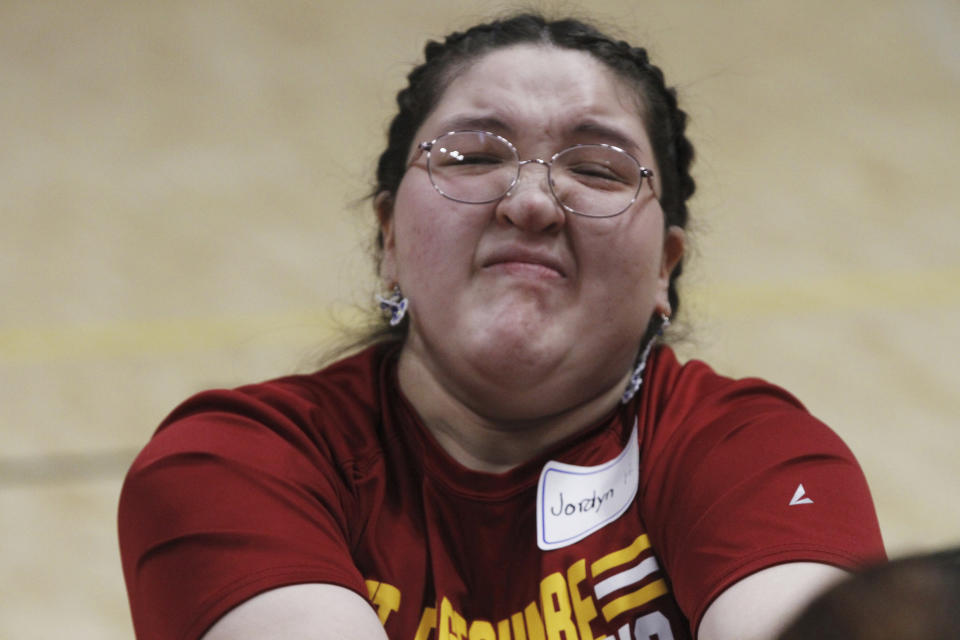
(181, 207)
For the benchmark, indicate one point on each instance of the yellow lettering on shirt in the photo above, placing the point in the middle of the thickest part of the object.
(519, 630)
(622, 556)
(503, 629)
(562, 611)
(451, 625)
(482, 630)
(557, 613)
(583, 608)
(531, 616)
(385, 597)
(428, 622)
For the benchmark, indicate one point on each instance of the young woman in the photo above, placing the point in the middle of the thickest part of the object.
(514, 456)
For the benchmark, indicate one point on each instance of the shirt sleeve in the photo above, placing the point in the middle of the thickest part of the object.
(741, 478)
(230, 498)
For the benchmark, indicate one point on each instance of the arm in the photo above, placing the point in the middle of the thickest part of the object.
(300, 612)
(759, 606)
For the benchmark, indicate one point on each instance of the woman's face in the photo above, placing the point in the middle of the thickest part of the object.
(518, 308)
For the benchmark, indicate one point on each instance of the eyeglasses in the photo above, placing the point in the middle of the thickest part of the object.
(477, 167)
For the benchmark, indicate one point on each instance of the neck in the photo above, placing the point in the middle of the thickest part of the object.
(482, 439)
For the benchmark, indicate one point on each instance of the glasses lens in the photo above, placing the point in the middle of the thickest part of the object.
(472, 166)
(596, 180)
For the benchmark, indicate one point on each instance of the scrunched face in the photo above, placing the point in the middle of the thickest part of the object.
(519, 309)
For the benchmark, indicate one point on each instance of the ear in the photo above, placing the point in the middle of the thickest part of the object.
(383, 205)
(673, 245)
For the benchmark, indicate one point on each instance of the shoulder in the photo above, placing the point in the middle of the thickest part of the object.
(349, 385)
(291, 427)
(692, 408)
(682, 389)
(703, 430)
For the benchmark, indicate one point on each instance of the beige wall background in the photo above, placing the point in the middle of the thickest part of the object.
(178, 210)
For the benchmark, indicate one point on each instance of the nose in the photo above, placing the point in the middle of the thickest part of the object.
(530, 204)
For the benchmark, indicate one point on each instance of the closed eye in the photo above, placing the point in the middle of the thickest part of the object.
(595, 173)
(478, 158)
(469, 163)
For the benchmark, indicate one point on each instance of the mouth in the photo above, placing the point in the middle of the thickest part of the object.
(526, 262)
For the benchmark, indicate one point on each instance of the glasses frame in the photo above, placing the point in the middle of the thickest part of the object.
(427, 146)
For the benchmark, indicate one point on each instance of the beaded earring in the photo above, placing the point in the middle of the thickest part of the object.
(636, 378)
(395, 305)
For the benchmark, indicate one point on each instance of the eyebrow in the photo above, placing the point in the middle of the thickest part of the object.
(477, 123)
(594, 130)
(608, 134)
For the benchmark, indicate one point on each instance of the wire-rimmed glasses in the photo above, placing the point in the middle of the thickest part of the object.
(477, 167)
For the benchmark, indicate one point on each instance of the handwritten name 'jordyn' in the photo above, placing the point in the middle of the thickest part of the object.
(584, 505)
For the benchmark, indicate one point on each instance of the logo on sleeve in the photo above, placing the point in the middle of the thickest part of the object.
(800, 497)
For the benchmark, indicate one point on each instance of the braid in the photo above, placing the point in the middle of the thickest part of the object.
(675, 155)
(414, 99)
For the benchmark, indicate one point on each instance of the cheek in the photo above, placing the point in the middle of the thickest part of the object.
(432, 241)
(412, 225)
(626, 256)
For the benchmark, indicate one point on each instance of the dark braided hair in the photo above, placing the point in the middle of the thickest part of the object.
(664, 121)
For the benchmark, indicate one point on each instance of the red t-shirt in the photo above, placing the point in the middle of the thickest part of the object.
(332, 478)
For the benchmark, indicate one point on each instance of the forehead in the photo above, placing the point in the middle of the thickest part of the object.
(535, 90)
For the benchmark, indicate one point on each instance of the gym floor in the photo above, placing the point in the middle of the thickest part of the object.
(183, 208)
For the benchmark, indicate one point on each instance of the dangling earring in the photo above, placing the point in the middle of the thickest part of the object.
(395, 305)
(636, 378)
(664, 324)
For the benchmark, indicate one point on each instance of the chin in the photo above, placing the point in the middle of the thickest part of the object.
(528, 350)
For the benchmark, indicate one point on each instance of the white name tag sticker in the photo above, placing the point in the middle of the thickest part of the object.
(574, 501)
